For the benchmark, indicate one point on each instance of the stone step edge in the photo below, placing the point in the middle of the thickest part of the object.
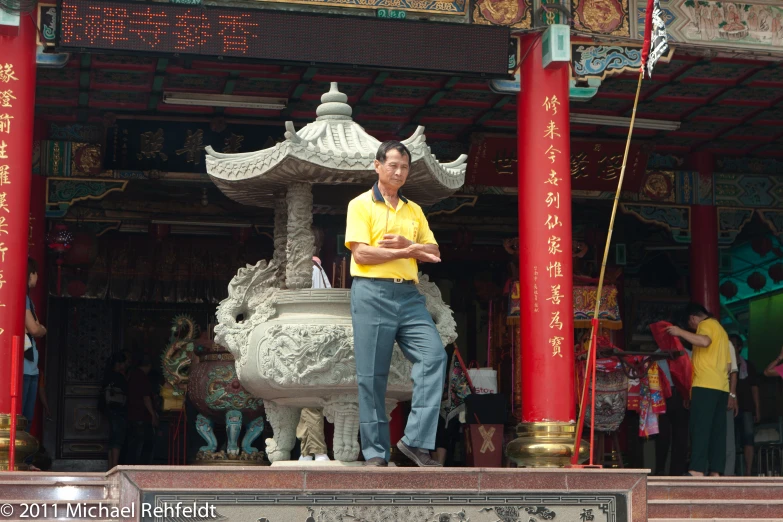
(712, 519)
(712, 480)
(55, 483)
(66, 519)
(740, 501)
(717, 486)
(49, 501)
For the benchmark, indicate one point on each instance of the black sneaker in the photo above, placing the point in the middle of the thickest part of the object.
(420, 456)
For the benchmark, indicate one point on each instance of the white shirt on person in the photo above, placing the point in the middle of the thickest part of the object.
(319, 275)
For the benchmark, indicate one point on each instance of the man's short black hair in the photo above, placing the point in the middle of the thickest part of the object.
(387, 146)
(736, 340)
(696, 309)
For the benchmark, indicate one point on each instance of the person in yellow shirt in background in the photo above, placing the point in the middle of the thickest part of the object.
(710, 390)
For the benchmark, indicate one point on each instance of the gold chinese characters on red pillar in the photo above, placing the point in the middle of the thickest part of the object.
(8, 80)
(554, 227)
(546, 295)
(17, 105)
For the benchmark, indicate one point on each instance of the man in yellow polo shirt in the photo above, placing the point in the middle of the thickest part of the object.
(387, 235)
(710, 390)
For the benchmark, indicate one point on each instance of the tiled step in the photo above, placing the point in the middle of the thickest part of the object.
(719, 499)
(708, 509)
(716, 489)
(22, 510)
(46, 487)
(56, 496)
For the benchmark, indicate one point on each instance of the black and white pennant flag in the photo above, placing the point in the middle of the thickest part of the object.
(656, 41)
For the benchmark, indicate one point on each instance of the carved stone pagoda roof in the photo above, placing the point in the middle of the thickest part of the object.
(332, 150)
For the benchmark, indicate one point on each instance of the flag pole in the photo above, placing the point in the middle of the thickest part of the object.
(593, 347)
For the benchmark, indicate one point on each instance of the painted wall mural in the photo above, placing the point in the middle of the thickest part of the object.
(750, 25)
(601, 16)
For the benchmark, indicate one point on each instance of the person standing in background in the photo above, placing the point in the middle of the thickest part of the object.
(732, 409)
(775, 368)
(142, 417)
(33, 330)
(748, 403)
(710, 390)
(673, 430)
(310, 430)
(114, 403)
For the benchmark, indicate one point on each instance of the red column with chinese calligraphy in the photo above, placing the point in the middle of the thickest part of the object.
(17, 104)
(545, 264)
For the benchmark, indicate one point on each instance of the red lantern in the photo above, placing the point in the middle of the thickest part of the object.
(84, 250)
(462, 238)
(242, 234)
(761, 245)
(160, 231)
(76, 288)
(776, 272)
(60, 240)
(756, 281)
(728, 289)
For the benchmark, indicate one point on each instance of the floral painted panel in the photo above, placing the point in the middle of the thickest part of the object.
(601, 16)
(516, 14)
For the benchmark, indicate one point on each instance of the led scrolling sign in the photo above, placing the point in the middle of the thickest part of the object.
(283, 36)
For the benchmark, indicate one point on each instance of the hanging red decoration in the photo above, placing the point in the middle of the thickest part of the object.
(728, 289)
(59, 240)
(776, 272)
(756, 281)
(761, 245)
(160, 231)
(84, 249)
(462, 238)
(242, 234)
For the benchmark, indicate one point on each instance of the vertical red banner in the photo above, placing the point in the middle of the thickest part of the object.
(545, 265)
(17, 110)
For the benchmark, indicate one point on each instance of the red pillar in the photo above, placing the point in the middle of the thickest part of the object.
(545, 267)
(17, 107)
(704, 245)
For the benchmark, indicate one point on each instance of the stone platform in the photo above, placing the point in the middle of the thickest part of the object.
(401, 494)
(313, 493)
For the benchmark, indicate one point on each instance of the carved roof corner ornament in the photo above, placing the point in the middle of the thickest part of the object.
(332, 150)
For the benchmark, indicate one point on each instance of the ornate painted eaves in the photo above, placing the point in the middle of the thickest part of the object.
(61, 193)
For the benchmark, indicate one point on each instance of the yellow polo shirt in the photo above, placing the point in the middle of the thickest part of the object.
(370, 217)
(710, 364)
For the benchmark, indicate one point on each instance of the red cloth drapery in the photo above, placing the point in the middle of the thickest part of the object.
(681, 367)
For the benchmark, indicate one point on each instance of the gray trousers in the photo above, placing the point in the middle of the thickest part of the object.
(731, 447)
(382, 312)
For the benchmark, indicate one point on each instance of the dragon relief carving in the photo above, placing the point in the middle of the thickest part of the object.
(249, 303)
(177, 358)
(300, 243)
(306, 354)
(442, 314)
(280, 237)
(317, 355)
